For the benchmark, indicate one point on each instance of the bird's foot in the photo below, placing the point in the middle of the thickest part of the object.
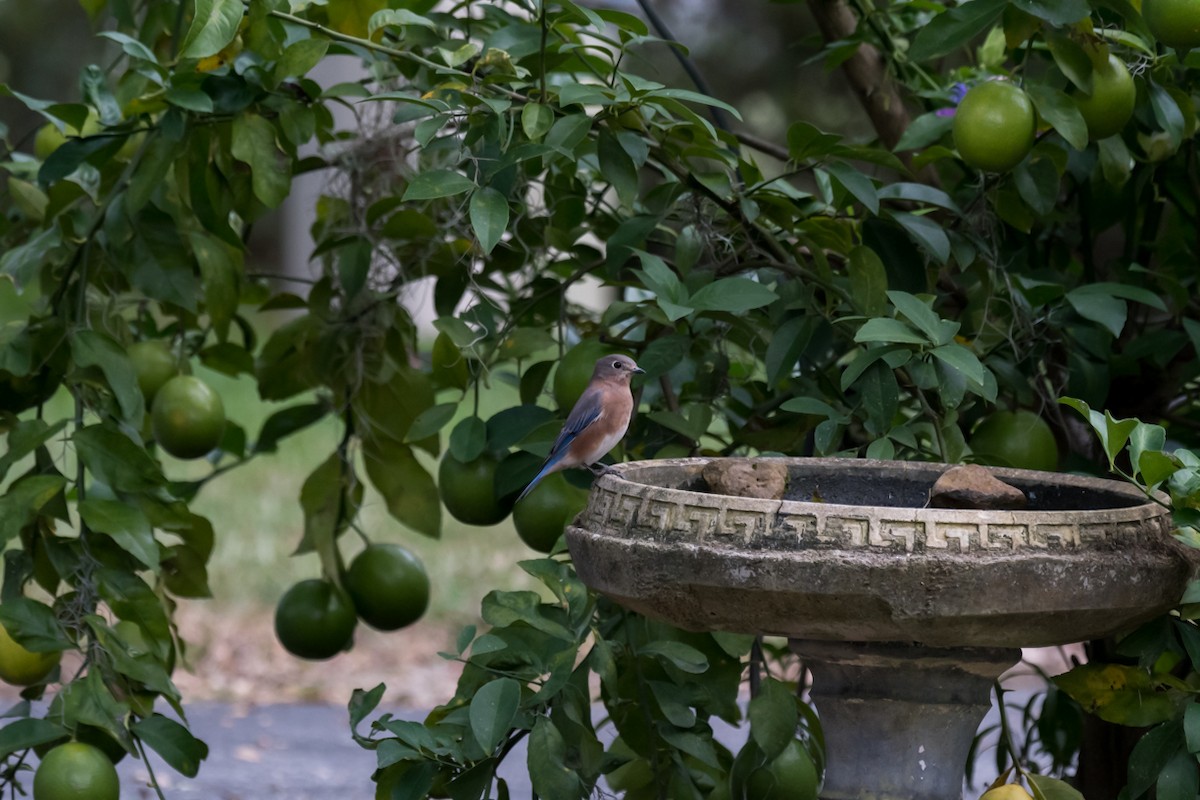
(601, 469)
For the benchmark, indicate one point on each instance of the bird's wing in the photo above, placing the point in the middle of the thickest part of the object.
(587, 410)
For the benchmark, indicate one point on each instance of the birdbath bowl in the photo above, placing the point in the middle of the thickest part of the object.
(905, 613)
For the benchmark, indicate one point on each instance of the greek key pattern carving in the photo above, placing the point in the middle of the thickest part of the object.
(771, 526)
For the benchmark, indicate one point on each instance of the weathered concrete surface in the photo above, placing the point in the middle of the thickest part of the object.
(873, 563)
(899, 719)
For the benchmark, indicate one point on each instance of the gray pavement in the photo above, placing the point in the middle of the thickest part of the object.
(298, 752)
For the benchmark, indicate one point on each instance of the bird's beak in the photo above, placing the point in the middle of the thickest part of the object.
(638, 371)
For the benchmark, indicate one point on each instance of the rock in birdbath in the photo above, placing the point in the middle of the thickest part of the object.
(762, 480)
(973, 486)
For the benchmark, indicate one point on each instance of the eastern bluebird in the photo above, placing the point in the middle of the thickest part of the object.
(597, 422)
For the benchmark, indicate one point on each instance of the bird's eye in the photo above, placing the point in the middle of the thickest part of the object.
(616, 365)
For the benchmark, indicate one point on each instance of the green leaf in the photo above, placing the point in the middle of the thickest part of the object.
(300, 56)
(925, 231)
(214, 24)
(806, 141)
(362, 703)
(954, 28)
(437, 183)
(285, 422)
(891, 331)
(131, 46)
(492, 711)
(788, 342)
(23, 501)
(674, 702)
(489, 217)
(397, 18)
(328, 497)
(25, 437)
(696, 97)
(868, 281)
(1071, 58)
(407, 487)
(124, 524)
(935, 329)
(680, 655)
(430, 421)
(536, 120)
(33, 625)
(23, 734)
(549, 772)
(221, 275)
(1150, 756)
(1047, 788)
(387, 410)
(773, 717)
(253, 143)
(1178, 779)
(1167, 113)
(924, 131)
(92, 348)
(1121, 694)
(468, 439)
(617, 167)
(173, 742)
(918, 193)
(502, 609)
(116, 461)
(1191, 726)
(1056, 12)
(1155, 467)
(1103, 308)
(23, 261)
(856, 183)
(734, 295)
(1061, 112)
(961, 360)
(669, 292)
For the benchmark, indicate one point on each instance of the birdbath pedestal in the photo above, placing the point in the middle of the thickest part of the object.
(905, 614)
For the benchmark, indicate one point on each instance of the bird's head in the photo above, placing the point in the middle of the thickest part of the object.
(616, 368)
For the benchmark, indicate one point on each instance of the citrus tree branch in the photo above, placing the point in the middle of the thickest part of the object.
(867, 72)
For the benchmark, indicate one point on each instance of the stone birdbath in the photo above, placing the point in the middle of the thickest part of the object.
(905, 613)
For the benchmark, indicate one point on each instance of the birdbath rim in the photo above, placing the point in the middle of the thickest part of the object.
(888, 568)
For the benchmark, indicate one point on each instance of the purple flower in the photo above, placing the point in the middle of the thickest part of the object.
(957, 92)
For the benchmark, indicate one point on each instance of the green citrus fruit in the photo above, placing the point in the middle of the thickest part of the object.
(1175, 23)
(76, 771)
(575, 370)
(1111, 102)
(469, 490)
(994, 126)
(545, 512)
(388, 585)
(791, 776)
(1015, 439)
(154, 365)
(49, 138)
(21, 667)
(1009, 791)
(315, 619)
(188, 417)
